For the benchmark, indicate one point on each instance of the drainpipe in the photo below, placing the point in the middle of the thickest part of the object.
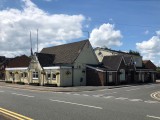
(72, 76)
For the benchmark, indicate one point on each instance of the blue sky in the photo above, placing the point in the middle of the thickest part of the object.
(135, 22)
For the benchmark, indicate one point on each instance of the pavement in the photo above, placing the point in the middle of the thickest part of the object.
(67, 89)
(124, 103)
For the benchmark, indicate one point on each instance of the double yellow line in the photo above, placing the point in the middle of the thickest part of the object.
(14, 115)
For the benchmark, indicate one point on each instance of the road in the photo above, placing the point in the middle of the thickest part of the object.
(127, 103)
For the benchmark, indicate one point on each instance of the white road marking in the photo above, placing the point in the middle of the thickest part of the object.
(135, 100)
(76, 104)
(110, 93)
(1, 91)
(103, 90)
(68, 93)
(150, 87)
(153, 117)
(96, 95)
(121, 98)
(108, 97)
(133, 89)
(57, 92)
(155, 95)
(76, 94)
(150, 101)
(22, 95)
(85, 95)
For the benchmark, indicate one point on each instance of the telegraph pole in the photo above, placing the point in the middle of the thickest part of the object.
(31, 43)
(37, 41)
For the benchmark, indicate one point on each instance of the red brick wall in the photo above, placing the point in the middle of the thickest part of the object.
(95, 78)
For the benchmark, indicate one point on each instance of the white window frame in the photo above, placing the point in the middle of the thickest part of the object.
(48, 78)
(35, 75)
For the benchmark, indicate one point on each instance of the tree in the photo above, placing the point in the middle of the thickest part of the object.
(134, 52)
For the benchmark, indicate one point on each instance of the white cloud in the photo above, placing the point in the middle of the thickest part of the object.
(106, 35)
(158, 33)
(150, 49)
(54, 29)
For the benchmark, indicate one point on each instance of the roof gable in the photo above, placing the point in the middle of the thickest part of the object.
(128, 59)
(67, 53)
(112, 62)
(45, 60)
(149, 65)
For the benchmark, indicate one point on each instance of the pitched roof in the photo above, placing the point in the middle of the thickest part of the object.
(67, 53)
(149, 65)
(45, 60)
(127, 59)
(112, 62)
(20, 61)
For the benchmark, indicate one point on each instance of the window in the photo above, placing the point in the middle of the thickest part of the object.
(48, 76)
(25, 74)
(53, 76)
(99, 53)
(21, 74)
(35, 75)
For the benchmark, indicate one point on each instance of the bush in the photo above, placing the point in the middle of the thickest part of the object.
(20, 83)
(50, 85)
(34, 84)
(8, 81)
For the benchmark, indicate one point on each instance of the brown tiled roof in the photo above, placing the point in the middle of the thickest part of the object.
(20, 61)
(67, 53)
(112, 62)
(149, 65)
(45, 60)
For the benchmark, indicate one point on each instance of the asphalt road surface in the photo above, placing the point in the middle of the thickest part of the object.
(127, 103)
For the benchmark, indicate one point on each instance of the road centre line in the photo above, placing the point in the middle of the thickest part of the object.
(22, 95)
(14, 115)
(108, 97)
(76, 94)
(1, 91)
(76, 104)
(121, 98)
(153, 117)
(149, 101)
(135, 100)
(85, 95)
